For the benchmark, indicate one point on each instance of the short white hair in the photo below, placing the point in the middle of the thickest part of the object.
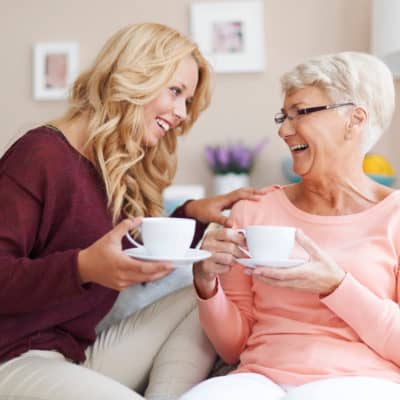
(350, 76)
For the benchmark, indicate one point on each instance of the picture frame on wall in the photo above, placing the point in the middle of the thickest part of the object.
(230, 34)
(55, 67)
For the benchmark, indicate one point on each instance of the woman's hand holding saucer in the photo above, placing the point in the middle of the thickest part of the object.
(223, 244)
(105, 263)
(320, 275)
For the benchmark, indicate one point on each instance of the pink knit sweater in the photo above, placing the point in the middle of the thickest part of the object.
(295, 337)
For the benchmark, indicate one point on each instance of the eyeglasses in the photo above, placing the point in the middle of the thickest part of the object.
(294, 112)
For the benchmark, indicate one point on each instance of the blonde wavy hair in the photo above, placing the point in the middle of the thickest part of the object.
(132, 68)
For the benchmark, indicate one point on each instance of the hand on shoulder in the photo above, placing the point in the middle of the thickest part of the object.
(210, 209)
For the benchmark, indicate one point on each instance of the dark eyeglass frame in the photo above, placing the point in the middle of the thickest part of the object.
(280, 117)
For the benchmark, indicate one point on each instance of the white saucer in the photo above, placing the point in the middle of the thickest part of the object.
(282, 263)
(191, 256)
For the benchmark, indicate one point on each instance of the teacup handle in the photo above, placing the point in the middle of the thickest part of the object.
(244, 251)
(132, 240)
(243, 231)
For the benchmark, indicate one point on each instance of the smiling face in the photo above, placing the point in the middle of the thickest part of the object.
(169, 108)
(318, 141)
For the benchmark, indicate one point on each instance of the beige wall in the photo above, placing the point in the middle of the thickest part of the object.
(243, 104)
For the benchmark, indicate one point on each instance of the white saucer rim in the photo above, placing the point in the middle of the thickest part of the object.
(252, 263)
(198, 254)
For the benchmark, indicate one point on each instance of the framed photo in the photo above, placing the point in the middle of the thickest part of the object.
(55, 66)
(230, 34)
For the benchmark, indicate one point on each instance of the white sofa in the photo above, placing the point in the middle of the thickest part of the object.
(186, 357)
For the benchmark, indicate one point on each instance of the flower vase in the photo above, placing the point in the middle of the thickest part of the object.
(225, 183)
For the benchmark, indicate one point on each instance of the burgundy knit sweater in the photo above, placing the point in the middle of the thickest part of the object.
(52, 204)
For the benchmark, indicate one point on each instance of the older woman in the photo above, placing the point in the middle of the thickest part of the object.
(330, 327)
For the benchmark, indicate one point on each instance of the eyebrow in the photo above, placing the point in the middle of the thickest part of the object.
(293, 105)
(189, 99)
(182, 84)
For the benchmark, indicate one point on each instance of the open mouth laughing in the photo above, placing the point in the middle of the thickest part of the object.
(164, 125)
(296, 148)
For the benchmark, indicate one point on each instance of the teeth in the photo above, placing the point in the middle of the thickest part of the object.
(298, 147)
(162, 124)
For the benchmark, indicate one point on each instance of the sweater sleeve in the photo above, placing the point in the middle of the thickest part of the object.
(29, 278)
(33, 276)
(375, 320)
(227, 317)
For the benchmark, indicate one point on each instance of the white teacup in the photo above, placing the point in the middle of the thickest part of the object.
(270, 242)
(166, 237)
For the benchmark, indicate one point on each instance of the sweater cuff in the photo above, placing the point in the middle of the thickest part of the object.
(213, 303)
(216, 289)
(350, 292)
(76, 279)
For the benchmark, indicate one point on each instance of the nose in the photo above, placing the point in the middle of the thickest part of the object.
(286, 129)
(180, 109)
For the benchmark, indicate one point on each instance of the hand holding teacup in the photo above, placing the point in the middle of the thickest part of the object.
(224, 246)
(320, 275)
(227, 245)
(106, 264)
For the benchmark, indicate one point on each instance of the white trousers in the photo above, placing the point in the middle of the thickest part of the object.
(257, 387)
(119, 362)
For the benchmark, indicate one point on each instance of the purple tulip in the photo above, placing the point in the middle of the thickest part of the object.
(236, 151)
(245, 159)
(222, 156)
(237, 158)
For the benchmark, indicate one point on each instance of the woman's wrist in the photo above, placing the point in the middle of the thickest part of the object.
(338, 280)
(82, 270)
(190, 209)
(206, 285)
